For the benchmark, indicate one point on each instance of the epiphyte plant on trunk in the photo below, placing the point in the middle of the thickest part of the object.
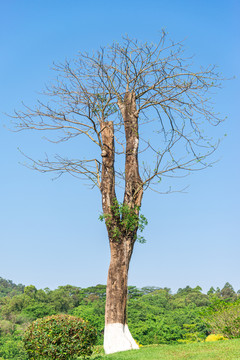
(143, 107)
(129, 221)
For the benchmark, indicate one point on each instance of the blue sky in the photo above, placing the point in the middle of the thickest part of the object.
(50, 233)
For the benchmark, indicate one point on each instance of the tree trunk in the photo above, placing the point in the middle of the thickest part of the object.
(117, 336)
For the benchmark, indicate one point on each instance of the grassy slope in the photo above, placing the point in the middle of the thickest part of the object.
(219, 350)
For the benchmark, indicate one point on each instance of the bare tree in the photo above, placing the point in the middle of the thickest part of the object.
(132, 101)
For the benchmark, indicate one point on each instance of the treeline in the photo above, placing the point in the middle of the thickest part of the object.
(7, 287)
(155, 315)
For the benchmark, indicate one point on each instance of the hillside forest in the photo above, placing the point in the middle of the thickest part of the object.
(155, 315)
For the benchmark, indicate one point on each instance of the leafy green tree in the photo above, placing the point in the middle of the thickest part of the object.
(7, 287)
(30, 291)
(149, 289)
(211, 291)
(12, 306)
(37, 310)
(227, 293)
(41, 296)
(99, 291)
(224, 318)
(61, 300)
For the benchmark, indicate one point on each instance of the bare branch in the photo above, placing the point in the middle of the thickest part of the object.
(172, 108)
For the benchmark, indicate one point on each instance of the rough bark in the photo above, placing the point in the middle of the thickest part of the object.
(117, 336)
(116, 296)
(133, 183)
(108, 175)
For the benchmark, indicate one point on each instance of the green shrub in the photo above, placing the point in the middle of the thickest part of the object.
(59, 337)
(191, 334)
(12, 349)
(224, 318)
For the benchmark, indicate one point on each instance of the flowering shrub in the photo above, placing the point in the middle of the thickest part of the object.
(215, 337)
(59, 337)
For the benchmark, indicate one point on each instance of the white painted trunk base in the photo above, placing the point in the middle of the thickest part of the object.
(117, 337)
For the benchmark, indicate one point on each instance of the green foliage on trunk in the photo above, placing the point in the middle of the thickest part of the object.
(125, 221)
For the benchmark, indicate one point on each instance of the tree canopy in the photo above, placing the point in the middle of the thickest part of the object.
(172, 106)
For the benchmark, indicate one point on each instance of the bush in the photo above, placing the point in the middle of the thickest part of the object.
(12, 349)
(224, 318)
(59, 337)
(215, 337)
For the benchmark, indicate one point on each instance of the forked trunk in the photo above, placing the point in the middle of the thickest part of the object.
(117, 336)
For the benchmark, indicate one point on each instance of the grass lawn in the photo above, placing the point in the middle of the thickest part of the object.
(218, 350)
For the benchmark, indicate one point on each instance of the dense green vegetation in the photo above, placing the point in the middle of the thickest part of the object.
(7, 287)
(59, 337)
(155, 315)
